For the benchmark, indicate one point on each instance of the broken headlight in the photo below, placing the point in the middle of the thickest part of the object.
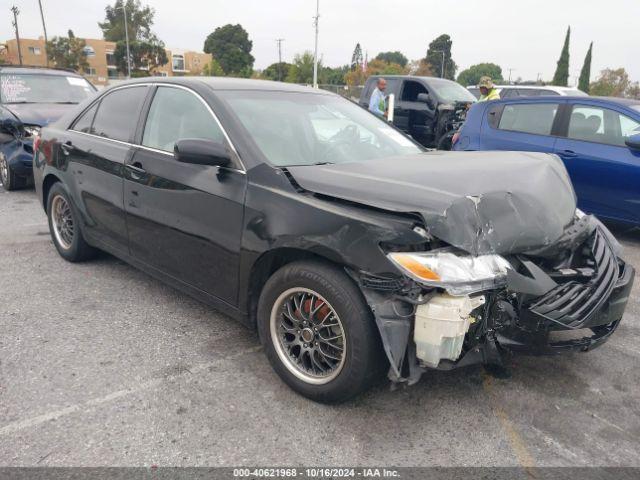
(457, 273)
(31, 130)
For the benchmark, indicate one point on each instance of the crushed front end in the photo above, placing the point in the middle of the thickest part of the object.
(568, 296)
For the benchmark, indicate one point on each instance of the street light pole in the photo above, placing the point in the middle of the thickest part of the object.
(443, 65)
(16, 11)
(44, 28)
(280, 40)
(315, 56)
(126, 36)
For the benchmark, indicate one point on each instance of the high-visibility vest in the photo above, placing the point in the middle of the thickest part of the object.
(492, 95)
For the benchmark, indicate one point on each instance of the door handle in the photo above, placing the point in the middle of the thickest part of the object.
(137, 167)
(67, 147)
(568, 154)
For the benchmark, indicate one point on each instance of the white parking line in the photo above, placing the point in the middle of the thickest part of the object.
(154, 382)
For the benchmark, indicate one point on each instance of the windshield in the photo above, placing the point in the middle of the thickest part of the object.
(450, 91)
(43, 88)
(310, 129)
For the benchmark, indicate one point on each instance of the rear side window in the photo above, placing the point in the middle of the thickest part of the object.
(535, 118)
(176, 114)
(118, 114)
(85, 122)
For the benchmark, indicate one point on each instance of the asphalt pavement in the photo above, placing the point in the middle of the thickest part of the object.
(102, 365)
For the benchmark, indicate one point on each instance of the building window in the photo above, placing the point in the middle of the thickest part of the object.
(112, 73)
(34, 50)
(111, 59)
(178, 63)
(91, 71)
(89, 51)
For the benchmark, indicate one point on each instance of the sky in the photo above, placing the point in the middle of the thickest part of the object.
(525, 36)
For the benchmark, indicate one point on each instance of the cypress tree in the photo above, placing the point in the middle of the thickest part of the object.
(585, 73)
(561, 77)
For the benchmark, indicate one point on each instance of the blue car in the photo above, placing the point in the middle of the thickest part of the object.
(31, 98)
(598, 139)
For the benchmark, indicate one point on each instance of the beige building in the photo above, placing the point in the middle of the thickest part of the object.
(102, 66)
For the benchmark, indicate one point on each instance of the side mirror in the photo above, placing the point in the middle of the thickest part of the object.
(633, 142)
(202, 152)
(425, 98)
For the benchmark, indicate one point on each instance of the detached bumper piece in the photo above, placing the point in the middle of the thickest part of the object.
(576, 314)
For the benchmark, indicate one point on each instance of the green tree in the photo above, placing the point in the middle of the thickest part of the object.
(357, 58)
(443, 43)
(147, 51)
(302, 69)
(213, 69)
(471, 76)
(68, 52)
(585, 73)
(336, 76)
(276, 71)
(231, 47)
(612, 83)
(393, 57)
(561, 77)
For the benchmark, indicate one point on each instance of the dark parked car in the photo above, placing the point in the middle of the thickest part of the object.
(598, 140)
(429, 109)
(348, 247)
(31, 98)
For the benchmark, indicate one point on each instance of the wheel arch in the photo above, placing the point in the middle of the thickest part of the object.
(48, 182)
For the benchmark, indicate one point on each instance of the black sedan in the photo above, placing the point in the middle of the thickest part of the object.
(352, 250)
(31, 98)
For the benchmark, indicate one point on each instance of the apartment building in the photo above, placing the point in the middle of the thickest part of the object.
(102, 66)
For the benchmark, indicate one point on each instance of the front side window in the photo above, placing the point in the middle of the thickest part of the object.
(176, 114)
(43, 88)
(601, 125)
(535, 118)
(118, 113)
(307, 128)
(411, 90)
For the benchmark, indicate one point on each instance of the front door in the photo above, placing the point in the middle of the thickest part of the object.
(184, 220)
(604, 171)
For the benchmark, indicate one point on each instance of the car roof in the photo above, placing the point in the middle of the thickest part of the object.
(627, 102)
(228, 83)
(29, 69)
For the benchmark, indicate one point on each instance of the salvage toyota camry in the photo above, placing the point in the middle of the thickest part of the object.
(352, 250)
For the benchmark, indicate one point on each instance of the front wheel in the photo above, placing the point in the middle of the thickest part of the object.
(318, 332)
(10, 181)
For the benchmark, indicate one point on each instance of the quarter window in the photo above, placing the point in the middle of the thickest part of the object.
(601, 125)
(118, 113)
(85, 122)
(535, 118)
(177, 114)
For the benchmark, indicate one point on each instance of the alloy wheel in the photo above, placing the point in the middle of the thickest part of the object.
(4, 169)
(308, 336)
(62, 219)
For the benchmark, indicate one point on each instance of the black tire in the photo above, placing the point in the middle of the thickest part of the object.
(10, 181)
(364, 359)
(76, 248)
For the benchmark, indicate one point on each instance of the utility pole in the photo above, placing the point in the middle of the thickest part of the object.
(315, 55)
(510, 70)
(16, 11)
(443, 64)
(279, 41)
(44, 28)
(126, 36)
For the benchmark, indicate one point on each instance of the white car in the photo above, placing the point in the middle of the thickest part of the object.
(510, 91)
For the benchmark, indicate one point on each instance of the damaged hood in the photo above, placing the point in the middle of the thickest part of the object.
(480, 202)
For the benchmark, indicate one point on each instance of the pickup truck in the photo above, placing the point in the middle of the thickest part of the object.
(429, 109)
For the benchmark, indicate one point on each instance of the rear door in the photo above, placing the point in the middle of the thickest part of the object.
(185, 220)
(604, 171)
(96, 148)
(526, 126)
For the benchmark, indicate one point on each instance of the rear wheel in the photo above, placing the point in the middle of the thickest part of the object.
(318, 332)
(65, 228)
(10, 181)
